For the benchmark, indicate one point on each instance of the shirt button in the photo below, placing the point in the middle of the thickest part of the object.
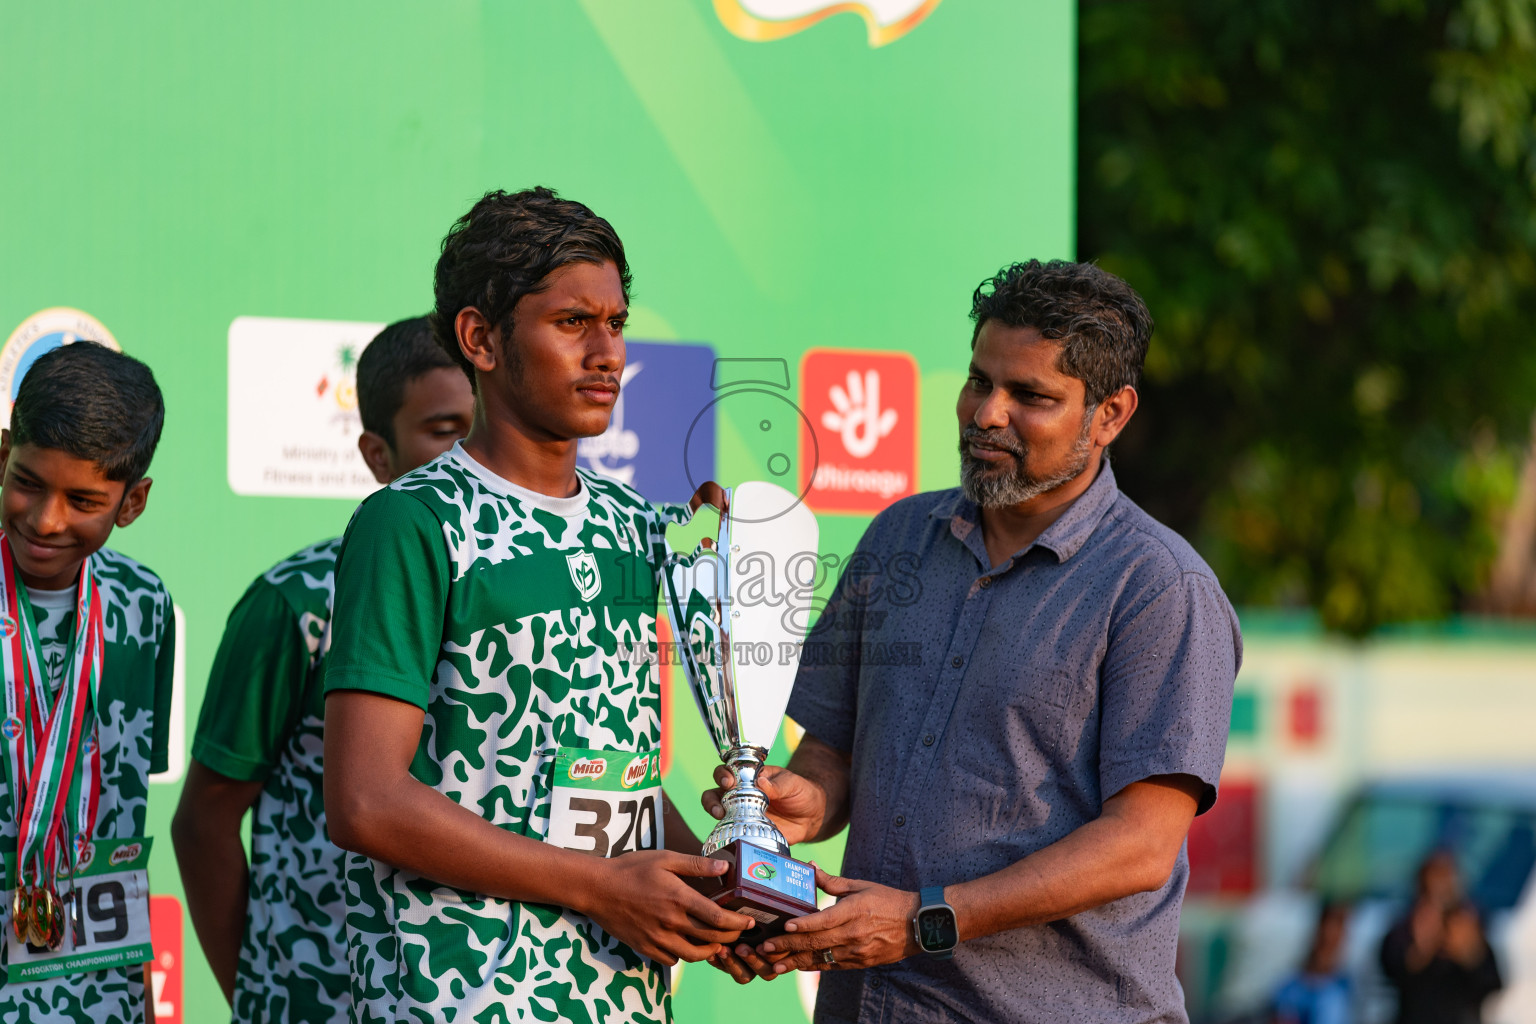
(957, 661)
(928, 740)
(901, 819)
(986, 581)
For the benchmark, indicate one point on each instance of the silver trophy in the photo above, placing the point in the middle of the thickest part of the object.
(739, 613)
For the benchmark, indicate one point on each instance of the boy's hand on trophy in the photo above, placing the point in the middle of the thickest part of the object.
(796, 805)
(869, 925)
(742, 963)
(642, 900)
(709, 493)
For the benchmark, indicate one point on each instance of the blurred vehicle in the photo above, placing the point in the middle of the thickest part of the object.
(1369, 861)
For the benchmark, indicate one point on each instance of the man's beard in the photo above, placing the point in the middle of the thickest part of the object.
(996, 486)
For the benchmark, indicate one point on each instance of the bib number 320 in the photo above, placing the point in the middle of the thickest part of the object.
(605, 802)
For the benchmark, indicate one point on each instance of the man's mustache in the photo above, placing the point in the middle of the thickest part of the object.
(998, 438)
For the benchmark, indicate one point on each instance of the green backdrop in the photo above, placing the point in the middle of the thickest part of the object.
(170, 166)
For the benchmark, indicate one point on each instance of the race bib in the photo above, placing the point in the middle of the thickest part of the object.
(605, 802)
(106, 915)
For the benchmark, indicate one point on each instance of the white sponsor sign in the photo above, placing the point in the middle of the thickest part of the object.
(293, 421)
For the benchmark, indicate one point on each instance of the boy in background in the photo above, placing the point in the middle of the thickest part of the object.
(89, 637)
(273, 930)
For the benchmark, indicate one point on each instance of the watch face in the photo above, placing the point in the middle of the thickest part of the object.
(936, 929)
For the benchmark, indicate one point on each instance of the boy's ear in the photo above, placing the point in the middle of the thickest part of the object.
(132, 505)
(375, 452)
(5, 450)
(477, 339)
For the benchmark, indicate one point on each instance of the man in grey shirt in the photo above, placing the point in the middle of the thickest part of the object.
(1017, 700)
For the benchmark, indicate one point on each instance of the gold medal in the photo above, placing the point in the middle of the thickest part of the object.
(20, 908)
(56, 924)
(39, 917)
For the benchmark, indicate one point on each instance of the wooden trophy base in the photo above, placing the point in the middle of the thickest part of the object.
(764, 885)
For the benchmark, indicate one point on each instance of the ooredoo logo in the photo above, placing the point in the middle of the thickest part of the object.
(762, 21)
(636, 771)
(762, 871)
(124, 854)
(863, 408)
(587, 768)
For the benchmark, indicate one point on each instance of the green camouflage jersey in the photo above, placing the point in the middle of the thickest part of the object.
(513, 619)
(133, 716)
(262, 720)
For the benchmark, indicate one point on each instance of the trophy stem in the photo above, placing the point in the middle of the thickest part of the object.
(746, 808)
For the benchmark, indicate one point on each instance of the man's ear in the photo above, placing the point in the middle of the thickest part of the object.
(132, 505)
(5, 450)
(1112, 415)
(477, 339)
(376, 454)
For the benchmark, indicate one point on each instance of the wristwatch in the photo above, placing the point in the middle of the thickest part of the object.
(934, 924)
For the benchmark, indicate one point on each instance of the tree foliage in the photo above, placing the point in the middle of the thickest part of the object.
(1330, 209)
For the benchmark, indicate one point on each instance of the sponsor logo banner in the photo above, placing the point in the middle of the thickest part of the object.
(863, 409)
(165, 970)
(763, 21)
(663, 419)
(293, 420)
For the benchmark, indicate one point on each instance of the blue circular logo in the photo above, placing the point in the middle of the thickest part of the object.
(39, 334)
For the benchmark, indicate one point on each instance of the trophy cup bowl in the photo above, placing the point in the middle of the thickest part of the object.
(739, 617)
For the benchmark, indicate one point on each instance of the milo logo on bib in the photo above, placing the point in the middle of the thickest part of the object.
(636, 771)
(124, 854)
(587, 769)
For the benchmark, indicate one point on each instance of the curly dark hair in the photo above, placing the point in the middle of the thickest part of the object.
(504, 248)
(94, 403)
(1101, 322)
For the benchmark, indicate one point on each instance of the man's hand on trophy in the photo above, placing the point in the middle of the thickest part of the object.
(642, 900)
(869, 925)
(796, 805)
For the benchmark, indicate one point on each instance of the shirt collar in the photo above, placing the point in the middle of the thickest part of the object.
(1063, 538)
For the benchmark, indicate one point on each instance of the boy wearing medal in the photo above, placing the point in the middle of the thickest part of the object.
(492, 740)
(273, 930)
(87, 640)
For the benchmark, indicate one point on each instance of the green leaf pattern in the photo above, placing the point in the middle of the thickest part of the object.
(526, 666)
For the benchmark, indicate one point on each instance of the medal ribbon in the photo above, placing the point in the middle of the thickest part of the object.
(43, 757)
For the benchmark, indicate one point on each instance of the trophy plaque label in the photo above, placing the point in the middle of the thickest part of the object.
(605, 802)
(765, 886)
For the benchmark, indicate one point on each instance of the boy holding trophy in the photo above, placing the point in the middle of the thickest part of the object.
(490, 745)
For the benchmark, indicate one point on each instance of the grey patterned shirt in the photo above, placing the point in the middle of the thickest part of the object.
(990, 712)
